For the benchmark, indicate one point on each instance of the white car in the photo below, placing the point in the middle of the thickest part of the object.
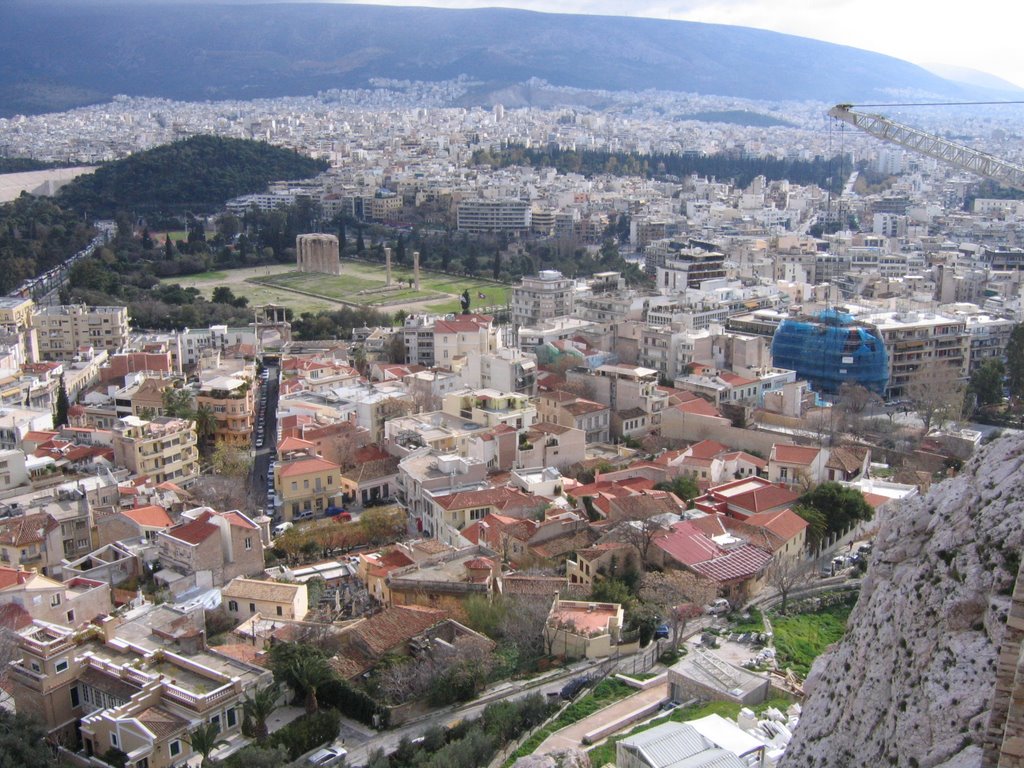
(718, 607)
(327, 756)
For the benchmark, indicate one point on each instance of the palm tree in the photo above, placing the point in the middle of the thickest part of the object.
(206, 424)
(203, 739)
(258, 708)
(307, 671)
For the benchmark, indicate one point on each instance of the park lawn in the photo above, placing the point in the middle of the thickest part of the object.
(342, 286)
(801, 638)
(604, 753)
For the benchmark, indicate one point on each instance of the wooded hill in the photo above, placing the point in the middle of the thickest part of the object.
(197, 175)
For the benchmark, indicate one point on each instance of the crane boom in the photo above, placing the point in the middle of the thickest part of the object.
(965, 158)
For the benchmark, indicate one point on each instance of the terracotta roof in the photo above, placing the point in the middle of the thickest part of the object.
(794, 454)
(195, 532)
(14, 617)
(295, 444)
(479, 563)
(698, 406)
(786, 524)
(161, 723)
(26, 529)
(501, 498)
(749, 458)
(393, 627)
(369, 471)
(707, 449)
(151, 516)
(306, 467)
(238, 520)
(849, 458)
(463, 324)
(691, 547)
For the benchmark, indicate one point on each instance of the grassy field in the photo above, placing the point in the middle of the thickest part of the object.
(237, 280)
(357, 282)
(800, 639)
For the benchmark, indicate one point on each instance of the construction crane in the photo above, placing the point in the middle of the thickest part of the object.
(967, 159)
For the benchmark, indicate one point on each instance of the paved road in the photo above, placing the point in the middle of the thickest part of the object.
(261, 462)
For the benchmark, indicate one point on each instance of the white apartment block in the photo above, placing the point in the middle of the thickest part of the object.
(544, 297)
(501, 215)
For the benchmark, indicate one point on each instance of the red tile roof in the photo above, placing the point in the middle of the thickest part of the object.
(691, 547)
(786, 524)
(195, 532)
(26, 529)
(308, 466)
(151, 516)
(707, 449)
(794, 454)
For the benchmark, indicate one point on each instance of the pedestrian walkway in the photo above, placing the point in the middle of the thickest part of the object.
(624, 711)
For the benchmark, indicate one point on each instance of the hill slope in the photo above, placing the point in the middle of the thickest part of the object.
(198, 174)
(58, 54)
(911, 683)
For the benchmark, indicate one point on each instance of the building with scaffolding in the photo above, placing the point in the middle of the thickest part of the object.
(832, 349)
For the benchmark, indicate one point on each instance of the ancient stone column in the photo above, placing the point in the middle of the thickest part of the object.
(416, 268)
(387, 262)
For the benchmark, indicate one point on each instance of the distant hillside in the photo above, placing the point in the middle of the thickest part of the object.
(196, 175)
(59, 54)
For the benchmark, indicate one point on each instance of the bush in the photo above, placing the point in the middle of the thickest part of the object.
(306, 733)
(352, 702)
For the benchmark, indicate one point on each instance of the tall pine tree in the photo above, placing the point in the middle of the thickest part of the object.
(61, 407)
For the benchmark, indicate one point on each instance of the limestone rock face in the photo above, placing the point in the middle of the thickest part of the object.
(911, 684)
(559, 758)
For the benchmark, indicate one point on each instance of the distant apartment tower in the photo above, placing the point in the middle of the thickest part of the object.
(544, 297)
(63, 331)
(317, 253)
(499, 215)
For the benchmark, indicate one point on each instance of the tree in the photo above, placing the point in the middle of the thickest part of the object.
(177, 402)
(206, 424)
(785, 575)
(203, 739)
(817, 525)
(303, 668)
(986, 384)
(1015, 360)
(937, 393)
(23, 741)
(61, 406)
(222, 294)
(496, 268)
(382, 524)
(683, 486)
(679, 597)
(841, 507)
(231, 462)
(257, 708)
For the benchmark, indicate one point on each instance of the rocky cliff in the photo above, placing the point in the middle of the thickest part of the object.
(912, 683)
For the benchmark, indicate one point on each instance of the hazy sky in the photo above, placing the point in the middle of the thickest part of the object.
(980, 34)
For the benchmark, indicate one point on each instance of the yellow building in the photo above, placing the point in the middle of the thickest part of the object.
(231, 400)
(164, 448)
(307, 486)
(64, 330)
(16, 312)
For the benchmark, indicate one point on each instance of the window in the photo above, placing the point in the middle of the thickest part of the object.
(280, 611)
(215, 721)
(248, 542)
(175, 748)
(783, 473)
(71, 617)
(252, 607)
(74, 696)
(55, 600)
(144, 762)
(232, 718)
(61, 666)
(233, 606)
(113, 740)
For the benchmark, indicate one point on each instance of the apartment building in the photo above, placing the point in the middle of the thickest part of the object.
(418, 337)
(632, 395)
(63, 331)
(489, 408)
(463, 335)
(569, 410)
(308, 484)
(163, 449)
(69, 603)
(917, 342)
(220, 545)
(497, 215)
(232, 402)
(544, 297)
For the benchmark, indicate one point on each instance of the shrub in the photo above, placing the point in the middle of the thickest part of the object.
(306, 733)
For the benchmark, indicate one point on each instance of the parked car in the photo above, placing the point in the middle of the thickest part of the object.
(280, 529)
(306, 514)
(661, 632)
(717, 607)
(326, 757)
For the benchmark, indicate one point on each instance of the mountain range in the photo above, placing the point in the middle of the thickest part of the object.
(63, 53)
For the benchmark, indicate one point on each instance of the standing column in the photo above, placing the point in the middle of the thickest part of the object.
(387, 262)
(416, 268)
